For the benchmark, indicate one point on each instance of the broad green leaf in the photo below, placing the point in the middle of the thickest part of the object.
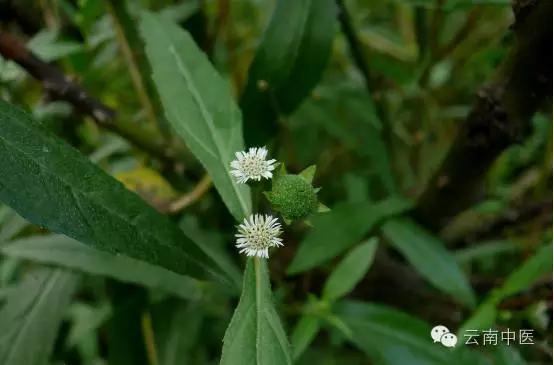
(198, 104)
(52, 185)
(288, 63)
(341, 228)
(32, 316)
(391, 337)
(304, 333)
(63, 251)
(522, 278)
(429, 257)
(255, 335)
(350, 270)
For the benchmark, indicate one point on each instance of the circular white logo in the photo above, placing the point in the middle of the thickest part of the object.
(442, 335)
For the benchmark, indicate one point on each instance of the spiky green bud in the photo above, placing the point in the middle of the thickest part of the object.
(293, 196)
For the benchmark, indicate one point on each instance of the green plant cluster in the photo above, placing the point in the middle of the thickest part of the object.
(121, 214)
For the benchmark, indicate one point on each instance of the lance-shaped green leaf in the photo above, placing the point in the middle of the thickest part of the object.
(540, 264)
(391, 337)
(341, 228)
(304, 333)
(255, 335)
(350, 270)
(51, 184)
(429, 257)
(63, 251)
(32, 315)
(198, 105)
(289, 62)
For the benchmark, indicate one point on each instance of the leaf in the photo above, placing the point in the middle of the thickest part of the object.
(63, 251)
(484, 250)
(347, 114)
(524, 276)
(178, 329)
(255, 334)
(341, 228)
(350, 270)
(303, 334)
(290, 60)
(308, 173)
(391, 337)
(520, 279)
(429, 257)
(47, 45)
(12, 226)
(126, 333)
(198, 105)
(32, 316)
(52, 185)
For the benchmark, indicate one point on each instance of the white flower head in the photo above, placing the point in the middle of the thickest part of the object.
(257, 234)
(252, 165)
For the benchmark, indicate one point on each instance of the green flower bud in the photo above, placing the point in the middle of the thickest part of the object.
(293, 196)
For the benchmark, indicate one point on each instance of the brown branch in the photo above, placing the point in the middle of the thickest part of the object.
(54, 81)
(127, 37)
(62, 87)
(189, 198)
(500, 116)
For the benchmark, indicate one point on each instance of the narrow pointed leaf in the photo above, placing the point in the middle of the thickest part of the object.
(391, 337)
(255, 335)
(32, 316)
(51, 184)
(350, 270)
(522, 278)
(63, 251)
(429, 257)
(341, 228)
(289, 61)
(308, 173)
(304, 333)
(198, 104)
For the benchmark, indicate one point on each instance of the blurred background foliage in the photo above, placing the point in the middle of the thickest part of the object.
(375, 98)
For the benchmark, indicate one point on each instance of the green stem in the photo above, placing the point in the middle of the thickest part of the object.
(257, 268)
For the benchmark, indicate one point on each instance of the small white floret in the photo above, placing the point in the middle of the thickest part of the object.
(252, 165)
(257, 234)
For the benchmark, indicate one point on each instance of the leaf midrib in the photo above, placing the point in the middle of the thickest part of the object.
(209, 122)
